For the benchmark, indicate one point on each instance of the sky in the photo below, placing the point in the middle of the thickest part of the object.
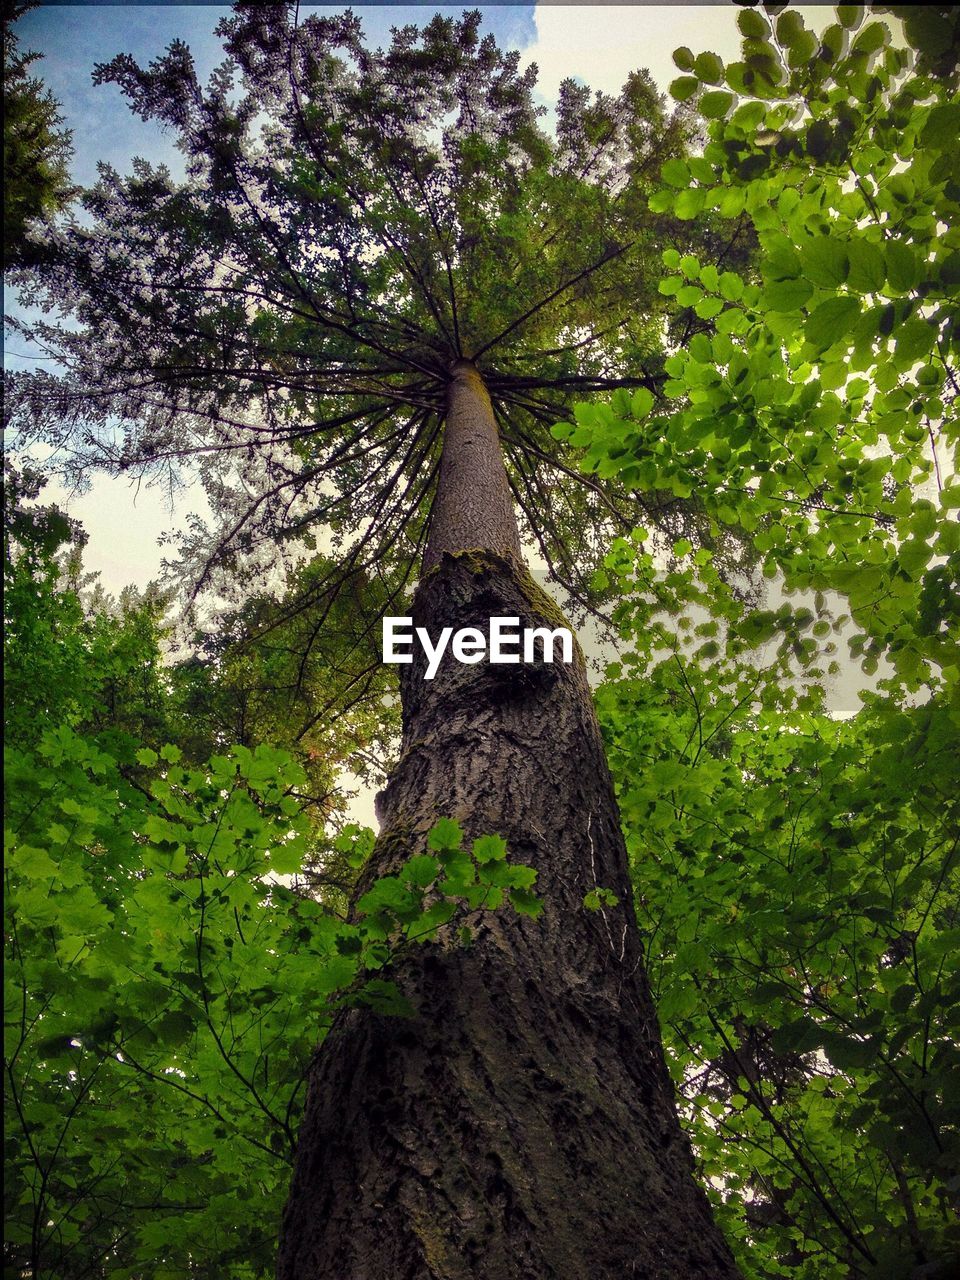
(598, 44)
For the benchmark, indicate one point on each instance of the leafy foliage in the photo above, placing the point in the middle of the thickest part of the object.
(797, 874)
(308, 678)
(797, 882)
(64, 664)
(814, 412)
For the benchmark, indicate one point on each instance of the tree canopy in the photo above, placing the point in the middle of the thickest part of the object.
(283, 319)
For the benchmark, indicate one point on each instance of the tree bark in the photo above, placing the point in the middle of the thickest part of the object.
(474, 505)
(522, 1126)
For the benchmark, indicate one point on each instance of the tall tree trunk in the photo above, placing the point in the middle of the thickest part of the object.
(522, 1126)
(474, 505)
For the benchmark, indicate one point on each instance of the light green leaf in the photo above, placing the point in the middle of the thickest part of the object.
(689, 203)
(489, 849)
(825, 261)
(868, 271)
(445, 835)
(832, 321)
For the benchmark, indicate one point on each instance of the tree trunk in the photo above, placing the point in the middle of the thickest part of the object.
(474, 505)
(522, 1125)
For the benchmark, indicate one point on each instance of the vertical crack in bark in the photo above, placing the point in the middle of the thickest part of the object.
(522, 1126)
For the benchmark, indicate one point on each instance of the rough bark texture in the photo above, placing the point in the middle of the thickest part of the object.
(522, 1126)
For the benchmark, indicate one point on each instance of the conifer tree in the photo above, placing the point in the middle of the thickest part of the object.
(36, 149)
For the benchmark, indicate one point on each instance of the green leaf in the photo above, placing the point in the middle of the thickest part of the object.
(845, 1052)
(707, 308)
(832, 321)
(709, 69)
(903, 997)
(287, 858)
(661, 201)
(819, 140)
(460, 871)
(445, 835)
(799, 1036)
(871, 38)
(599, 898)
(683, 59)
(489, 849)
(716, 103)
(676, 172)
(731, 202)
(789, 27)
(678, 1002)
(903, 267)
(943, 126)
(684, 87)
(421, 870)
(786, 295)
(781, 260)
(825, 261)
(850, 15)
(753, 24)
(386, 998)
(641, 402)
(913, 340)
(526, 903)
(35, 863)
(689, 203)
(387, 893)
(868, 270)
(437, 915)
(928, 31)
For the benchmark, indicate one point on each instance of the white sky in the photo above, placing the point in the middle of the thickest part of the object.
(602, 44)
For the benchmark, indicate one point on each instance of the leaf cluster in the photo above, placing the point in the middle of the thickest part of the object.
(796, 874)
(818, 411)
(797, 880)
